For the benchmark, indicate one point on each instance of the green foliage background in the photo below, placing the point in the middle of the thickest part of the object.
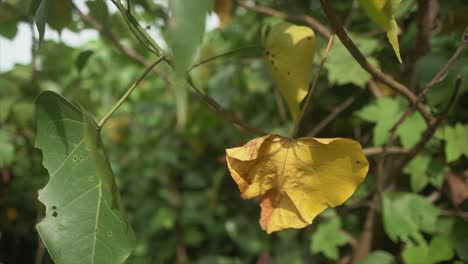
(174, 183)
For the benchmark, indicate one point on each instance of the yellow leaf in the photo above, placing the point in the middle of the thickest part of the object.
(290, 53)
(296, 179)
(223, 9)
(381, 12)
(392, 35)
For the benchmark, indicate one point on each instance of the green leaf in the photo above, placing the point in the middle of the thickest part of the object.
(456, 141)
(440, 249)
(460, 238)
(379, 257)
(417, 169)
(187, 26)
(186, 29)
(85, 221)
(328, 238)
(82, 59)
(5, 107)
(411, 130)
(384, 112)
(7, 149)
(8, 27)
(40, 19)
(58, 13)
(405, 215)
(342, 67)
(381, 12)
(415, 254)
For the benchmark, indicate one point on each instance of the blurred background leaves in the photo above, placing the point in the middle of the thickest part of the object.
(179, 197)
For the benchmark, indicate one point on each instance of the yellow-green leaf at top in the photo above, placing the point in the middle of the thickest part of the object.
(290, 53)
(381, 12)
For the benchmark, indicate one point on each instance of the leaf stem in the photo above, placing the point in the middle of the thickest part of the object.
(128, 92)
(314, 85)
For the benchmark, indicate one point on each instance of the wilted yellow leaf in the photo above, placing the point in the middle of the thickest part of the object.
(290, 53)
(223, 9)
(381, 11)
(296, 179)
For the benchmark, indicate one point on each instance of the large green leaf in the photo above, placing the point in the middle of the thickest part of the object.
(406, 215)
(85, 221)
(385, 112)
(186, 30)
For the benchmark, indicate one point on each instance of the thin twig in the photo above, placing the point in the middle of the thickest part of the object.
(351, 14)
(429, 132)
(314, 85)
(128, 92)
(372, 151)
(333, 114)
(227, 53)
(374, 89)
(308, 20)
(361, 59)
(409, 110)
(280, 103)
(221, 111)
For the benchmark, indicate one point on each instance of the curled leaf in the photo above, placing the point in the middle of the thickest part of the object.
(290, 53)
(296, 179)
(381, 12)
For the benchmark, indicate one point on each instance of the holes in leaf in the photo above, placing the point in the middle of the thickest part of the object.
(54, 214)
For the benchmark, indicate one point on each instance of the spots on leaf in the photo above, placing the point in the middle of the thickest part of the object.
(54, 214)
(109, 233)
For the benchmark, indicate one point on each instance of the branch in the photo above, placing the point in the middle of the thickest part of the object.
(408, 111)
(431, 130)
(132, 54)
(221, 111)
(356, 53)
(308, 20)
